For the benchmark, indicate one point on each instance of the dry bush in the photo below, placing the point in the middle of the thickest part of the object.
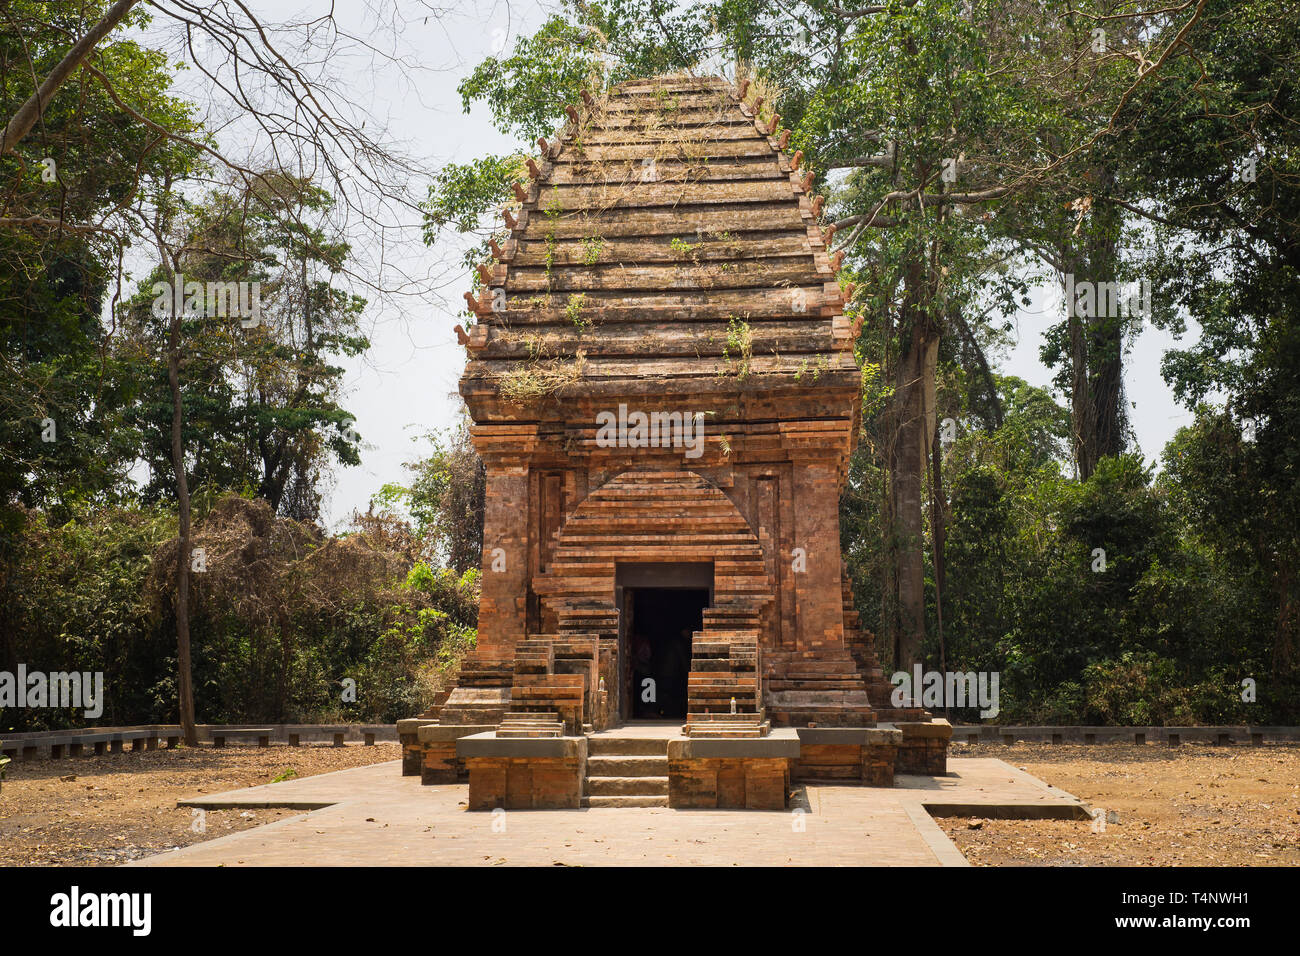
(282, 615)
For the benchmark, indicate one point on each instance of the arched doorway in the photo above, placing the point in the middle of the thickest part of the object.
(660, 551)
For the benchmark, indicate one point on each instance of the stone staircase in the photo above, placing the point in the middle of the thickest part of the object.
(481, 694)
(725, 661)
(862, 648)
(435, 708)
(816, 687)
(516, 724)
(626, 772)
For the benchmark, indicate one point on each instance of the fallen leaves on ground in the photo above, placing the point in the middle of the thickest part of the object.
(111, 809)
(1194, 805)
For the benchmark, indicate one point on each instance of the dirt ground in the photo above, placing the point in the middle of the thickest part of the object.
(1194, 805)
(102, 811)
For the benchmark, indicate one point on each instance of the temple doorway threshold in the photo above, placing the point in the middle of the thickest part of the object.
(642, 729)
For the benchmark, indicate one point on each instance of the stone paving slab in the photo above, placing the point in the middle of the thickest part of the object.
(986, 787)
(373, 816)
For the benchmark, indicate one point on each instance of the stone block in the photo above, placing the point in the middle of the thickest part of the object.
(525, 783)
(750, 783)
(878, 765)
(412, 750)
(924, 747)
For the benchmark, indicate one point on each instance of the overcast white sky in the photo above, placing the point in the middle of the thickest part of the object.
(406, 385)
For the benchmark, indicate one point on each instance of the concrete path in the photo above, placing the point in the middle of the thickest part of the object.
(374, 816)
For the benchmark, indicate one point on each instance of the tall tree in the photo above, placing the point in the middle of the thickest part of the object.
(262, 405)
(1226, 254)
(63, 392)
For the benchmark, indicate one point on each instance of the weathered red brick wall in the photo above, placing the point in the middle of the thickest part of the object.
(525, 783)
(725, 783)
(440, 763)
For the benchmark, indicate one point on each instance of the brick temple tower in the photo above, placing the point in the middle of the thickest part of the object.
(664, 394)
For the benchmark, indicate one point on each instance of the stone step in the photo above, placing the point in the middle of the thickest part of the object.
(599, 746)
(627, 786)
(623, 765)
(595, 802)
(728, 733)
(833, 718)
(841, 699)
(831, 663)
(724, 715)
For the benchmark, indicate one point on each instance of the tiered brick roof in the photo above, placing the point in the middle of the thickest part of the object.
(667, 243)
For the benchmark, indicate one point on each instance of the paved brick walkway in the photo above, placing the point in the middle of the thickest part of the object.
(372, 815)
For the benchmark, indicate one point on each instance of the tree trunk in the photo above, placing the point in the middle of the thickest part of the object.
(889, 549)
(1106, 360)
(913, 383)
(32, 110)
(185, 686)
(938, 538)
(1082, 427)
(286, 666)
(1288, 619)
(185, 682)
(1096, 344)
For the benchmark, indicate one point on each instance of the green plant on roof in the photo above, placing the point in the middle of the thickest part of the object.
(667, 99)
(739, 349)
(573, 311)
(591, 249)
(684, 249)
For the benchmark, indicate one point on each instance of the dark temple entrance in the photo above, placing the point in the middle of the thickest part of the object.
(660, 622)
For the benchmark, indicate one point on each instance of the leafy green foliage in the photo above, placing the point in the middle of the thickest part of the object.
(1164, 635)
(59, 247)
(445, 499)
(261, 404)
(71, 596)
(528, 90)
(281, 616)
(461, 195)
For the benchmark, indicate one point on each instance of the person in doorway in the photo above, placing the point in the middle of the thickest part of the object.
(642, 654)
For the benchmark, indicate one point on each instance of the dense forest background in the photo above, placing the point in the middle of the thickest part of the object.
(968, 153)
